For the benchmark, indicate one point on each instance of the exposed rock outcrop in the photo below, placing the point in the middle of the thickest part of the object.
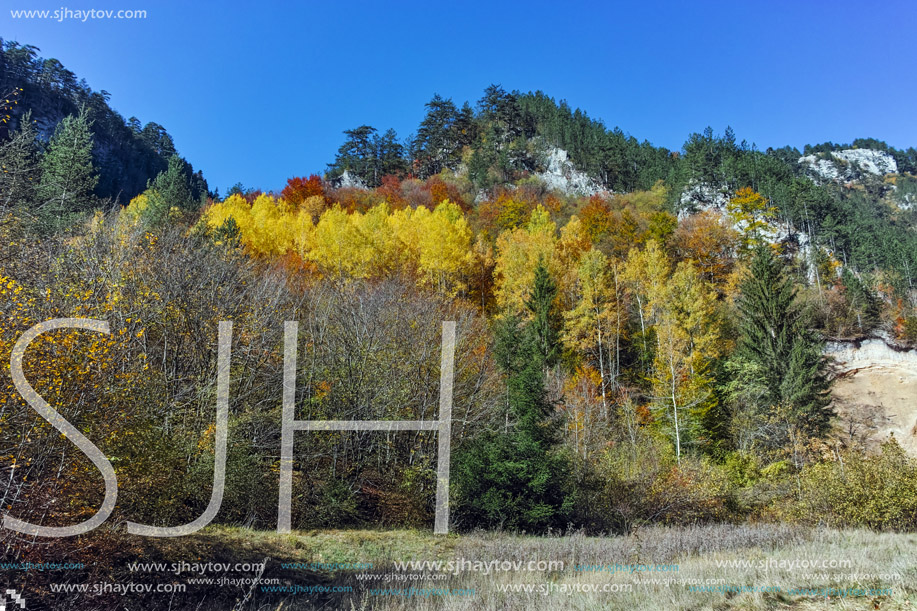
(348, 181)
(870, 352)
(561, 175)
(700, 196)
(874, 392)
(849, 165)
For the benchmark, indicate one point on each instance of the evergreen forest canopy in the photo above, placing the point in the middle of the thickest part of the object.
(649, 352)
(506, 137)
(126, 154)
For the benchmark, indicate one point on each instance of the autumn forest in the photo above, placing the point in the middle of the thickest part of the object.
(641, 332)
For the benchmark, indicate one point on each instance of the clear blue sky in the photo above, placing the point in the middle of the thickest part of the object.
(256, 92)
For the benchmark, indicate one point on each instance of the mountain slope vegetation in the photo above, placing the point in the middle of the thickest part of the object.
(641, 331)
(126, 153)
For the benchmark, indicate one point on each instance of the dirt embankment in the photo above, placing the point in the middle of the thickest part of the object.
(875, 393)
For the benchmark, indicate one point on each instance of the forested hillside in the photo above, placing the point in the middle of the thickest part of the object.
(641, 331)
(126, 153)
(509, 137)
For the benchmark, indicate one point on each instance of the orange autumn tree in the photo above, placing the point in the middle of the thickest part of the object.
(298, 190)
(710, 242)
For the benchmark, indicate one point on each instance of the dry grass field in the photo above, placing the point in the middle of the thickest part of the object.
(749, 567)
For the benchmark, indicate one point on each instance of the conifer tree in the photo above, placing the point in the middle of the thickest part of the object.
(516, 479)
(774, 339)
(436, 145)
(172, 186)
(465, 126)
(19, 166)
(545, 320)
(390, 154)
(67, 174)
(863, 301)
(358, 155)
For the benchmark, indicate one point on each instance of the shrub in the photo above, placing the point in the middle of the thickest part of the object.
(878, 491)
(643, 484)
(508, 481)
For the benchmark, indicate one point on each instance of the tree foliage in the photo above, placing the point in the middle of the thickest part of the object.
(67, 174)
(517, 479)
(787, 356)
(126, 154)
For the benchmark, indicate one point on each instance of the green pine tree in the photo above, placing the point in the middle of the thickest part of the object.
(437, 145)
(805, 386)
(390, 154)
(19, 170)
(359, 156)
(545, 320)
(67, 174)
(863, 300)
(517, 478)
(787, 356)
(479, 169)
(172, 186)
(520, 355)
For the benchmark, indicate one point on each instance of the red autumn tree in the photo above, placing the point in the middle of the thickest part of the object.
(299, 189)
(390, 191)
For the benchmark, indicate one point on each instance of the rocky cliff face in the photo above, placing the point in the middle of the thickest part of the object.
(849, 165)
(699, 197)
(871, 352)
(348, 181)
(874, 393)
(561, 175)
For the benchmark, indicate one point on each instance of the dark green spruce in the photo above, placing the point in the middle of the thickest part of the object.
(774, 337)
(516, 478)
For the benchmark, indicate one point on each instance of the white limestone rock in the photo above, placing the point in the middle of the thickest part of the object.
(349, 181)
(561, 175)
(698, 197)
(870, 352)
(849, 165)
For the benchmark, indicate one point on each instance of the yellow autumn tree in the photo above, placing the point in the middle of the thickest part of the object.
(680, 330)
(233, 208)
(339, 246)
(687, 336)
(267, 227)
(594, 327)
(646, 273)
(271, 232)
(573, 242)
(136, 208)
(518, 253)
(437, 244)
(382, 251)
(751, 215)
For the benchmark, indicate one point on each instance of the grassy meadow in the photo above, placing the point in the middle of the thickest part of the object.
(728, 561)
